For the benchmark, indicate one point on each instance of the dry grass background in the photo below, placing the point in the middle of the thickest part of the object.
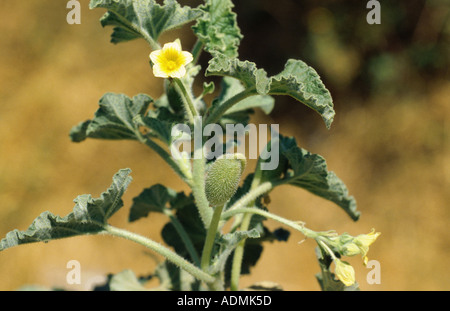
(392, 153)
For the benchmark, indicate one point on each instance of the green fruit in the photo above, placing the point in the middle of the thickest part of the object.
(222, 178)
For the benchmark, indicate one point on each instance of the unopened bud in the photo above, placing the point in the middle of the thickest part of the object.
(222, 178)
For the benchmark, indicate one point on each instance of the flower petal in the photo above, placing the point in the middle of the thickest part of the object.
(187, 57)
(170, 60)
(368, 239)
(176, 45)
(179, 73)
(154, 56)
(158, 72)
(344, 272)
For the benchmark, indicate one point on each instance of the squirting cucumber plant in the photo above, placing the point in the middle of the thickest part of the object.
(199, 253)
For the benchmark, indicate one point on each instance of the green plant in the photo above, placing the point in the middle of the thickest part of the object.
(199, 254)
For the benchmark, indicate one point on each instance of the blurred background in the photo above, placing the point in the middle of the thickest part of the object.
(389, 142)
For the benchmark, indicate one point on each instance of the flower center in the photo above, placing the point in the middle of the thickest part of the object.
(171, 65)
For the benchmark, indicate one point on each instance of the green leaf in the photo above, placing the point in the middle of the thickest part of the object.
(245, 71)
(208, 88)
(143, 19)
(228, 243)
(78, 133)
(164, 112)
(266, 156)
(114, 118)
(297, 80)
(153, 199)
(217, 28)
(158, 128)
(173, 278)
(188, 216)
(309, 171)
(88, 216)
(252, 253)
(302, 82)
(126, 281)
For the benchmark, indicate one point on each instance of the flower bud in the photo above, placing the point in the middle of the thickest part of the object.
(351, 249)
(344, 272)
(222, 178)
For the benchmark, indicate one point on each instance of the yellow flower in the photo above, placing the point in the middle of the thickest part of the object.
(344, 272)
(351, 249)
(363, 241)
(358, 245)
(170, 61)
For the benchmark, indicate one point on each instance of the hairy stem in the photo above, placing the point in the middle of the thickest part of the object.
(162, 250)
(197, 51)
(252, 195)
(239, 255)
(326, 248)
(293, 224)
(217, 113)
(256, 189)
(198, 177)
(210, 238)
(187, 100)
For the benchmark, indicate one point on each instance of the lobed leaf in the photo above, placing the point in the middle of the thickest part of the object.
(188, 216)
(114, 118)
(245, 71)
(309, 171)
(158, 128)
(143, 19)
(297, 80)
(302, 82)
(217, 28)
(153, 199)
(88, 216)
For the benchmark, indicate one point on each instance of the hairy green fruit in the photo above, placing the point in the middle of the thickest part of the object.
(222, 178)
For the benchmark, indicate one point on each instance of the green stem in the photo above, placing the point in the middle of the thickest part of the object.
(239, 255)
(198, 190)
(197, 51)
(153, 44)
(184, 236)
(162, 250)
(256, 189)
(187, 100)
(198, 176)
(327, 249)
(293, 224)
(220, 110)
(252, 195)
(210, 238)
